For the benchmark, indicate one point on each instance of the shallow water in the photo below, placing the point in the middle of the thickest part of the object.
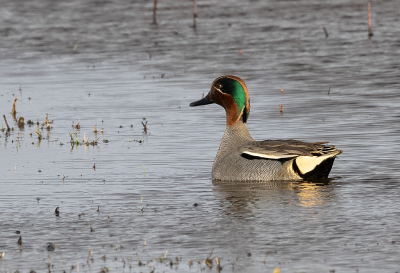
(124, 70)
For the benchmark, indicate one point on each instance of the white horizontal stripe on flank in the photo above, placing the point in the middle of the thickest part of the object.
(268, 156)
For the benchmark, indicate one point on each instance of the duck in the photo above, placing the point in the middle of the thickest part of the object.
(241, 158)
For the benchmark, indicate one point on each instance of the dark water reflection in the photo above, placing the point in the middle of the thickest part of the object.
(103, 63)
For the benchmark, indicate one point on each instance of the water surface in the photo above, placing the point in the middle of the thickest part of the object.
(103, 63)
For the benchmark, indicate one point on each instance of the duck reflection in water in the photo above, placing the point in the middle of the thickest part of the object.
(242, 198)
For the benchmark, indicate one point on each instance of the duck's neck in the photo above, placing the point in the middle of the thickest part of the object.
(236, 135)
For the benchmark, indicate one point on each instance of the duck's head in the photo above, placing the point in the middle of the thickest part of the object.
(231, 93)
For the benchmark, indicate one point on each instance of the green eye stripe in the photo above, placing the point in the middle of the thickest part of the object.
(235, 89)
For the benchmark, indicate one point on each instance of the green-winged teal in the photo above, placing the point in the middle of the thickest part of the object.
(241, 158)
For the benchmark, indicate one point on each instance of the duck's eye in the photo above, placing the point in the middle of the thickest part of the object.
(219, 86)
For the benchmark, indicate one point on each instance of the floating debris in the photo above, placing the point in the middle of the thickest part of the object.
(86, 141)
(74, 141)
(50, 247)
(277, 270)
(18, 232)
(57, 212)
(20, 241)
(21, 122)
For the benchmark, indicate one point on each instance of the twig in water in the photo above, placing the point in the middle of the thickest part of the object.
(298, 40)
(326, 32)
(39, 134)
(194, 13)
(8, 127)
(47, 122)
(369, 20)
(154, 12)
(329, 90)
(144, 127)
(209, 256)
(219, 267)
(13, 111)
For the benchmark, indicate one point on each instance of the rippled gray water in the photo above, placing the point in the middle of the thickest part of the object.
(103, 63)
